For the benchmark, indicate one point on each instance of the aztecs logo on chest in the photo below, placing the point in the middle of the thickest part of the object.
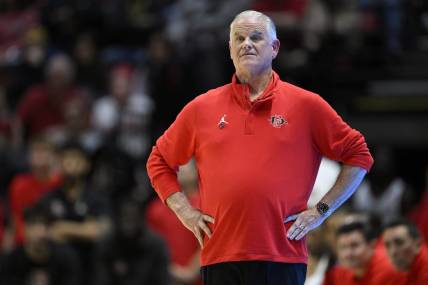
(277, 121)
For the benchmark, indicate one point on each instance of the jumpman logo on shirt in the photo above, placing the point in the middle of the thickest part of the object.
(222, 123)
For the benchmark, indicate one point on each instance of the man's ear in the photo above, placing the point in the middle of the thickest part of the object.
(230, 50)
(275, 47)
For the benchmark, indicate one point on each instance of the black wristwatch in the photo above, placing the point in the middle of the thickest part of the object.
(322, 208)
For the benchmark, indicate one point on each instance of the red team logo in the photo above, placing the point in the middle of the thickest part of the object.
(277, 121)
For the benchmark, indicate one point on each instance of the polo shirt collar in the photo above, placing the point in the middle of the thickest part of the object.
(241, 92)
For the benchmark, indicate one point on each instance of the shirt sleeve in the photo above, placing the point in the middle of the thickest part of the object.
(335, 139)
(174, 148)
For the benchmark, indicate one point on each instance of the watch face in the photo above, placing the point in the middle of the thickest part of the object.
(322, 208)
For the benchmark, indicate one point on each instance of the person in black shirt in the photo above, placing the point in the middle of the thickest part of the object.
(80, 215)
(39, 261)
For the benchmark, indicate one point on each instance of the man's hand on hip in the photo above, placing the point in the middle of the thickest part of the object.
(304, 222)
(196, 222)
(192, 218)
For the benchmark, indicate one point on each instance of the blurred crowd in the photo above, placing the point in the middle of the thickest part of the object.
(87, 86)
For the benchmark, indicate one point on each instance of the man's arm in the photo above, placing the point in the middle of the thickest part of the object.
(92, 229)
(192, 218)
(347, 182)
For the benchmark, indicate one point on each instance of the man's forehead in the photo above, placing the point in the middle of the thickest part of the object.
(249, 24)
(400, 231)
(238, 32)
(351, 236)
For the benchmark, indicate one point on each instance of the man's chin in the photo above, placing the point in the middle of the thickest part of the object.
(250, 66)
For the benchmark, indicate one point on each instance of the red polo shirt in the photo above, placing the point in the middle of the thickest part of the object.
(257, 163)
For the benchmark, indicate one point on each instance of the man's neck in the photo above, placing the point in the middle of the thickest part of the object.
(256, 82)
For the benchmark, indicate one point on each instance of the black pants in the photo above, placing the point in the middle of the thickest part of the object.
(254, 273)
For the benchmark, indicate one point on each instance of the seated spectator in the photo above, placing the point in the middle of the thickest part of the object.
(182, 244)
(407, 251)
(26, 189)
(124, 115)
(80, 216)
(39, 261)
(132, 254)
(42, 108)
(358, 261)
(76, 127)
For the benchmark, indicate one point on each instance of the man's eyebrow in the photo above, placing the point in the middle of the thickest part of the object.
(253, 33)
(257, 33)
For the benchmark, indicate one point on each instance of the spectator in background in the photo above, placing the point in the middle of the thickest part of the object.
(132, 254)
(27, 189)
(383, 193)
(39, 261)
(182, 245)
(80, 216)
(42, 108)
(123, 115)
(76, 127)
(358, 262)
(407, 251)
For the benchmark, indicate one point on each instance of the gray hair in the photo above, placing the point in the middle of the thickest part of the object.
(271, 29)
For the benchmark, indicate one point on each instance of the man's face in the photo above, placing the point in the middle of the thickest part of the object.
(74, 163)
(41, 157)
(251, 47)
(353, 250)
(36, 232)
(401, 247)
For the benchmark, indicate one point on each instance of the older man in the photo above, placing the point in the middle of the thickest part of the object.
(258, 142)
(407, 251)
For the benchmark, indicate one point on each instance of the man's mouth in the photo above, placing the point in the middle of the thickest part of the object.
(248, 54)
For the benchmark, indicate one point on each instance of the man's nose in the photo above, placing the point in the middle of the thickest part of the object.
(247, 44)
